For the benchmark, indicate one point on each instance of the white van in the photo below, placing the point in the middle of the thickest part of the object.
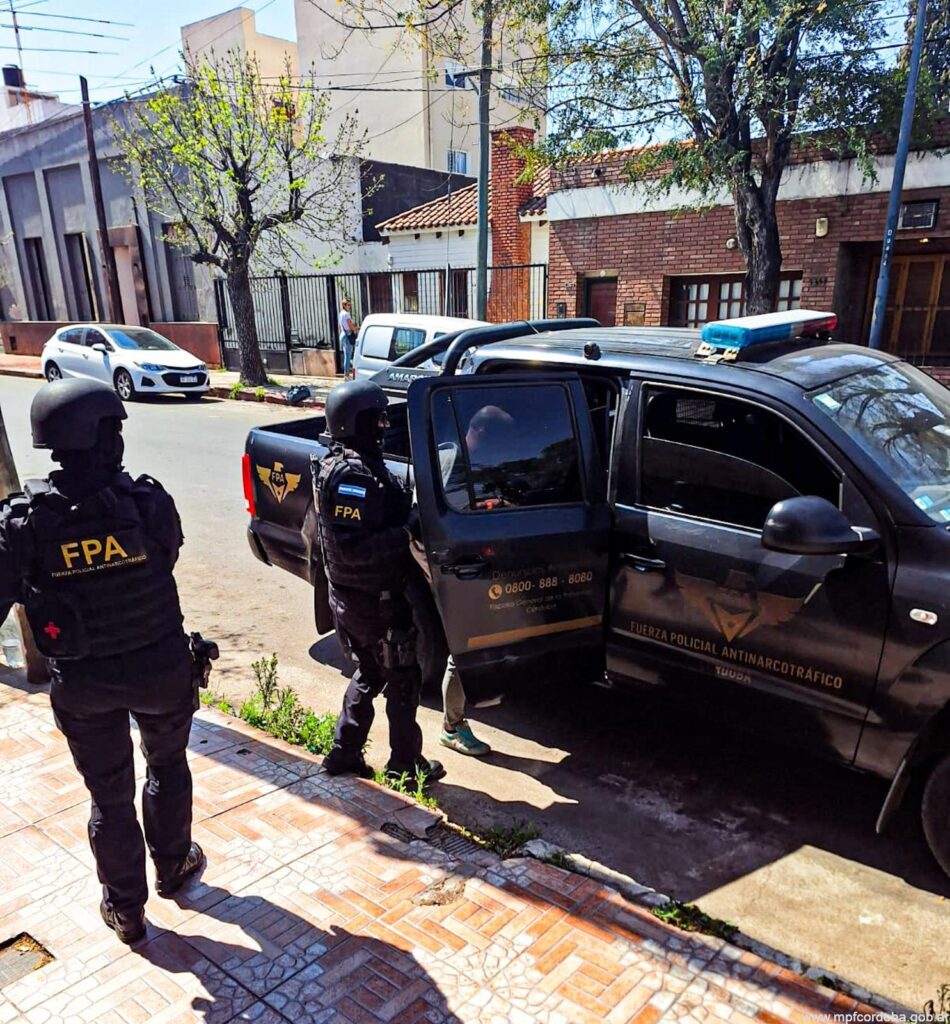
(384, 337)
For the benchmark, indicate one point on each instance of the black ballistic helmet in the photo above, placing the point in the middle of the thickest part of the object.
(347, 401)
(65, 414)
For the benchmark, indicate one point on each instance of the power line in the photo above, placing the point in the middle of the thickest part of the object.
(72, 74)
(53, 49)
(165, 49)
(70, 17)
(63, 31)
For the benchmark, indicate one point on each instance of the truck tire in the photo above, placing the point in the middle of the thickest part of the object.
(935, 812)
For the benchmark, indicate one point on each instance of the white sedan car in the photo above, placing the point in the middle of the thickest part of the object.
(134, 360)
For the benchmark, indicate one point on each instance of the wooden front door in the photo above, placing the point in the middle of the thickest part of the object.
(602, 300)
(917, 316)
(380, 293)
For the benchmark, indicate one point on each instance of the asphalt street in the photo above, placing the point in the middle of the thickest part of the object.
(781, 846)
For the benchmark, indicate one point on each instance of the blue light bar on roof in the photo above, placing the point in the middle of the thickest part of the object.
(754, 330)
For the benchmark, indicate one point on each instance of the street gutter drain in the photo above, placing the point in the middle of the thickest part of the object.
(395, 831)
(21, 956)
(440, 836)
(451, 842)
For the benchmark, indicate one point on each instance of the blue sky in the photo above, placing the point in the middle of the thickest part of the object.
(153, 39)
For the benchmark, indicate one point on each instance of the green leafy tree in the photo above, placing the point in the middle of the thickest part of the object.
(712, 95)
(247, 172)
(934, 84)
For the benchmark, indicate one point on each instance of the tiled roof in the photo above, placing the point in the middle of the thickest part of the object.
(534, 207)
(445, 212)
(460, 209)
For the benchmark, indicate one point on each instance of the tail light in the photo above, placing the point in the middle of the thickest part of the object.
(248, 485)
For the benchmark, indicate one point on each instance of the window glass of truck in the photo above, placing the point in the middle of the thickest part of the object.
(901, 418)
(405, 339)
(506, 447)
(723, 459)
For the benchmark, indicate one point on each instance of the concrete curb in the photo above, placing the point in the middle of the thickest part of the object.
(18, 371)
(269, 398)
(644, 896)
(419, 822)
(215, 391)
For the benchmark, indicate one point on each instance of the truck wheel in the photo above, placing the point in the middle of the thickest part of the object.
(935, 812)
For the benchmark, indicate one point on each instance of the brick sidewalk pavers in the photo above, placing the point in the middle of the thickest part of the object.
(308, 911)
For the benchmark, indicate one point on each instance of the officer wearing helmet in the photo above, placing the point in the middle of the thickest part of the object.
(89, 552)
(363, 531)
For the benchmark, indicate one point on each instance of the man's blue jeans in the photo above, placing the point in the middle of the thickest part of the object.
(347, 343)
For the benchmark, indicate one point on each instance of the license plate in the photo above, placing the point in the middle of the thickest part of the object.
(190, 379)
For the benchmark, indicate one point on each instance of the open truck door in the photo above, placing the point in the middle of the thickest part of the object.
(515, 523)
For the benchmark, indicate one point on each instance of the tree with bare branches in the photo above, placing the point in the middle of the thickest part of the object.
(244, 168)
(477, 35)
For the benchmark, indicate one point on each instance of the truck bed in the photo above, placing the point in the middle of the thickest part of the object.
(279, 456)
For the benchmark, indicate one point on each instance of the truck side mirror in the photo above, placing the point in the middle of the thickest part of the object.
(813, 526)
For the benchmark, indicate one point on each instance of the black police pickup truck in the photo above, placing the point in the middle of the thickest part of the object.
(761, 526)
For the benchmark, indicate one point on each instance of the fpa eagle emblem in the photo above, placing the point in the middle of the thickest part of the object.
(737, 607)
(279, 483)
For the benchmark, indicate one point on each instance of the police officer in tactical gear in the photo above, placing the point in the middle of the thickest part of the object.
(363, 531)
(89, 552)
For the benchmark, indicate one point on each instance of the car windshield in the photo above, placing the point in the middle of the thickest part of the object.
(901, 418)
(140, 337)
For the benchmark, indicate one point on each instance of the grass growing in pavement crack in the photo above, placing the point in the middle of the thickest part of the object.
(506, 839)
(409, 785)
(559, 860)
(278, 711)
(689, 918)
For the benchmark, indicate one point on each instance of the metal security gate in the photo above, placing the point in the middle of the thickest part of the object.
(302, 311)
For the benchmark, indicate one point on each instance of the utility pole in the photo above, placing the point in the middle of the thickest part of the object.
(19, 58)
(107, 256)
(484, 144)
(897, 185)
(36, 668)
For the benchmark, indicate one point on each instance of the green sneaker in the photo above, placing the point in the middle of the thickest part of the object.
(462, 739)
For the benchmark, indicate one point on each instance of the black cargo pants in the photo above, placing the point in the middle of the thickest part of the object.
(92, 702)
(362, 624)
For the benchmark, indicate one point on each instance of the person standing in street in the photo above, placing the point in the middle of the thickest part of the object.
(363, 530)
(348, 329)
(90, 552)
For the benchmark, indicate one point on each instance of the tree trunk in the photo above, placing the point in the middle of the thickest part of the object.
(757, 232)
(242, 308)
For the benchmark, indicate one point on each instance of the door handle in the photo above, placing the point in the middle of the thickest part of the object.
(468, 570)
(641, 563)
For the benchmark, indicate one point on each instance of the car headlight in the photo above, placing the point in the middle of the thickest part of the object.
(151, 367)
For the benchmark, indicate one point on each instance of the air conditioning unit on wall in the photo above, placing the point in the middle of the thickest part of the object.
(918, 216)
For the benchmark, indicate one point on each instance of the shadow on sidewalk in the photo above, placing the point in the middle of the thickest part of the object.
(483, 927)
(317, 974)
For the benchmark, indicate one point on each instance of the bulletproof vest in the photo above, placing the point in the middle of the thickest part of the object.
(97, 583)
(355, 501)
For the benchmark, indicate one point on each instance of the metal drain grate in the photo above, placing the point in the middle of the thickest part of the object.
(440, 836)
(451, 842)
(21, 956)
(395, 831)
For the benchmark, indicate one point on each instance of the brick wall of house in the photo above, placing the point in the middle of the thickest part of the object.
(647, 249)
(509, 297)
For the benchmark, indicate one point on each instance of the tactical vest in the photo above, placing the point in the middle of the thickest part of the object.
(347, 560)
(97, 583)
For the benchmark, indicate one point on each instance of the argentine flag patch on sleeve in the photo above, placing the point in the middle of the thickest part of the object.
(352, 490)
